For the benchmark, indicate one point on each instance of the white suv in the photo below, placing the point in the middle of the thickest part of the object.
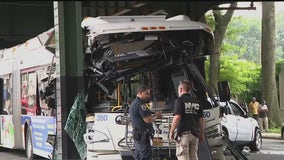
(239, 128)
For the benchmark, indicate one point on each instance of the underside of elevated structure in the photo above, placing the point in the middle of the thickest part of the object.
(22, 20)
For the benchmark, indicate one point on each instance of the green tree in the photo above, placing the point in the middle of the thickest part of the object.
(279, 67)
(243, 39)
(243, 75)
(268, 61)
(221, 23)
(279, 51)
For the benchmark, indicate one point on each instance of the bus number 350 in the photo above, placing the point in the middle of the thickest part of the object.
(101, 117)
(206, 114)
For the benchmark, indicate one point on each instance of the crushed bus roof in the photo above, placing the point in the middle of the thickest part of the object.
(119, 24)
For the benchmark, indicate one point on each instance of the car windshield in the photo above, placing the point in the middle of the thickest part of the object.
(236, 109)
(232, 108)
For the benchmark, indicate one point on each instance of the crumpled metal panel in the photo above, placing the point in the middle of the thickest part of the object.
(75, 126)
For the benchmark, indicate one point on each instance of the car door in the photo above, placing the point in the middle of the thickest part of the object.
(229, 121)
(244, 125)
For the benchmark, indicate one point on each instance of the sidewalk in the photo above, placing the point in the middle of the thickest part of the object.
(271, 135)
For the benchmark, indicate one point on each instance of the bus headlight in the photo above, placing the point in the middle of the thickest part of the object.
(214, 131)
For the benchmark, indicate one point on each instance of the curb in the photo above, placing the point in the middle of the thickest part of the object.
(271, 136)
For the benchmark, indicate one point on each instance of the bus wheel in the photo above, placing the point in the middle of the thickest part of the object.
(29, 144)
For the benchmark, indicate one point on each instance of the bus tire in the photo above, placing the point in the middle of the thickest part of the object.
(29, 144)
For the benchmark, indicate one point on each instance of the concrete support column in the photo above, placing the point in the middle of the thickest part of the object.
(69, 69)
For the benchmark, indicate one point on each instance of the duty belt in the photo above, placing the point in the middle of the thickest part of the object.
(147, 131)
(185, 132)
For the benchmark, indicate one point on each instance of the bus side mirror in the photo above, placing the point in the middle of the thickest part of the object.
(224, 91)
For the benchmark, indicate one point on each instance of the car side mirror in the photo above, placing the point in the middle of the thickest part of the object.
(244, 106)
(224, 91)
(223, 110)
(245, 115)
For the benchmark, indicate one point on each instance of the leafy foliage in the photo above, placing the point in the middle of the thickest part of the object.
(279, 50)
(243, 37)
(243, 76)
(279, 66)
(240, 55)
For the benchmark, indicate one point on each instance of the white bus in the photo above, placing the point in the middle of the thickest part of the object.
(27, 102)
(124, 52)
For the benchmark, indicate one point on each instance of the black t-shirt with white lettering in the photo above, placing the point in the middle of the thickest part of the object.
(188, 107)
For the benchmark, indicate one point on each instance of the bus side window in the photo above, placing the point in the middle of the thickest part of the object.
(1, 96)
(24, 92)
(44, 96)
(7, 95)
(28, 99)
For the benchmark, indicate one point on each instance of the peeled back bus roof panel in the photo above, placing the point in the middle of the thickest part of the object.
(87, 21)
(98, 26)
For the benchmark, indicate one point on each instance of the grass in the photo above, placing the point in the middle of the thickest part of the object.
(274, 130)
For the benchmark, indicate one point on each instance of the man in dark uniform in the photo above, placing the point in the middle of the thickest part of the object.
(189, 122)
(142, 120)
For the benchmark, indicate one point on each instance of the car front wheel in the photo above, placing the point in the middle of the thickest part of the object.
(256, 144)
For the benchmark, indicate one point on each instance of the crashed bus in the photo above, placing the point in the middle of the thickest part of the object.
(123, 52)
(27, 110)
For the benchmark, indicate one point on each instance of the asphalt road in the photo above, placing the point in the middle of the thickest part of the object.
(8, 154)
(272, 149)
